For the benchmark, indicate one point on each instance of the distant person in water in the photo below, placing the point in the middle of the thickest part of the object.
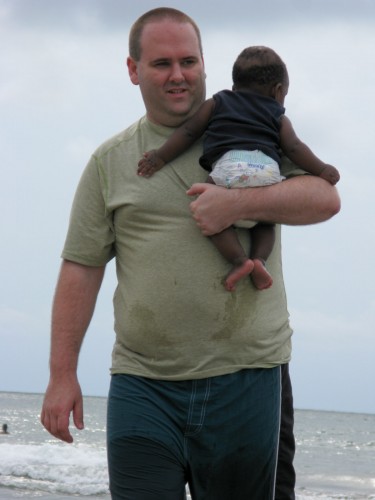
(244, 130)
(5, 429)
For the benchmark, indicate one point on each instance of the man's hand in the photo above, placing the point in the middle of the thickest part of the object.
(60, 400)
(213, 210)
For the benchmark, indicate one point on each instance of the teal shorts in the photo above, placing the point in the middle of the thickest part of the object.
(218, 435)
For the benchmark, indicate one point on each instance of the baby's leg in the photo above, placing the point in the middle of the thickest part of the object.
(229, 246)
(262, 241)
(260, 277)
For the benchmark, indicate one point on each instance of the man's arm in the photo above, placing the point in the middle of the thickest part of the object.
(76, 293)
(300, 200)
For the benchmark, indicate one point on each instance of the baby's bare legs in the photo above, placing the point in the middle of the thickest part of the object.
(262, 241)
(229, 246)
(260, 277)
(238, 271)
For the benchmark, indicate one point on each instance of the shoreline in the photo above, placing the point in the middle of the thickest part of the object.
(18, 493)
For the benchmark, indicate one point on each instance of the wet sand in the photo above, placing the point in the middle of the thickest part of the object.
(15, 493)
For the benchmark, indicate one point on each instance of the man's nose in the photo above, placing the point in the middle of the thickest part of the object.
(177, 74)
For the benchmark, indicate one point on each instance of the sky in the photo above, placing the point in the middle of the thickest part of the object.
(64, 89)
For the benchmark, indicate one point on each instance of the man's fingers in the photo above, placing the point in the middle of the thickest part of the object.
(57, 425)
(63, 429)
(78, 415)
(197, 189)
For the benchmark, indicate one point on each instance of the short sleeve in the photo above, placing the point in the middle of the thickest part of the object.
(90, 238)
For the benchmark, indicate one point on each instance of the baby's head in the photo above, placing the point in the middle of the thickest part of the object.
(261, 70)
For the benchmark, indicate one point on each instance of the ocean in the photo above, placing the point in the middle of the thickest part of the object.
(335, 456)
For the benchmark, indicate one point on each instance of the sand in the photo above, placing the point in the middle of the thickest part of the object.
(15, 493)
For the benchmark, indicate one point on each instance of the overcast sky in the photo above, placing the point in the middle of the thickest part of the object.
(64, 89)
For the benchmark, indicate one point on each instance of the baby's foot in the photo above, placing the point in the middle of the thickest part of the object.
(238, 272)
(260, 277)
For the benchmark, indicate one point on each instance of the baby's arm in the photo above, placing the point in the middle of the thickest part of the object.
(150, 163)
(181, 139)
(301, 154)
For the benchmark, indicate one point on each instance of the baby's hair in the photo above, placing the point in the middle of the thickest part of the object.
(257, 67)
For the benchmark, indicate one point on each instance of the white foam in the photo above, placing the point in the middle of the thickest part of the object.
(72, 469)
(80, 469)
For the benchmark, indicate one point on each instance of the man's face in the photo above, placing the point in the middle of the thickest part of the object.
(170, 72)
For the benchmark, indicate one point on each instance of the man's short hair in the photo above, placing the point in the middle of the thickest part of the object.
(155, 15)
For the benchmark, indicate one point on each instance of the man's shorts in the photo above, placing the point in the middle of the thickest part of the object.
(218, 435)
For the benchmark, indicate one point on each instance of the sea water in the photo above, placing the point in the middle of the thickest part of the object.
(335, 456)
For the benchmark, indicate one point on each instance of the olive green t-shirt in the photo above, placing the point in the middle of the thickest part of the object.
(173, 317)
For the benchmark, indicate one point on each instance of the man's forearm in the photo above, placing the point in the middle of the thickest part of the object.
(74, 303)
(301, 200)
(73, 307)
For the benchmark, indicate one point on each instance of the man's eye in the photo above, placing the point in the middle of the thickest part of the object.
(188, 62)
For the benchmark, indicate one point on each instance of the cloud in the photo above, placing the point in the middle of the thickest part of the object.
(88, 16)
(64, 89)
(18, 323)
(333, 359)
(333, 329)
(12, 318)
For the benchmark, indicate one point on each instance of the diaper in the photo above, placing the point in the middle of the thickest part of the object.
(241, 169)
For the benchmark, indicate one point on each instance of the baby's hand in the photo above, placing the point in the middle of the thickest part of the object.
(330, 174)
(149, 164)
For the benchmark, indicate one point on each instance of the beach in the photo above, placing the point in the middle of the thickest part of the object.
(334, 460)
(9, 494)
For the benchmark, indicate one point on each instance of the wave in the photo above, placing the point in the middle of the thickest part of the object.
(80, 469)
(54, 468)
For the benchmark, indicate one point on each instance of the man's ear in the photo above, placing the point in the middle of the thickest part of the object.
(133, 71)
(204, 67)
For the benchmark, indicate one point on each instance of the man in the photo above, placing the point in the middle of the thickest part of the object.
(195, 389)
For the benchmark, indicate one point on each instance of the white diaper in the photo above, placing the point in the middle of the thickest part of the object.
(242, 169)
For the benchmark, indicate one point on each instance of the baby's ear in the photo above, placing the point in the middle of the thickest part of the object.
(280, 92)
(276, 90)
